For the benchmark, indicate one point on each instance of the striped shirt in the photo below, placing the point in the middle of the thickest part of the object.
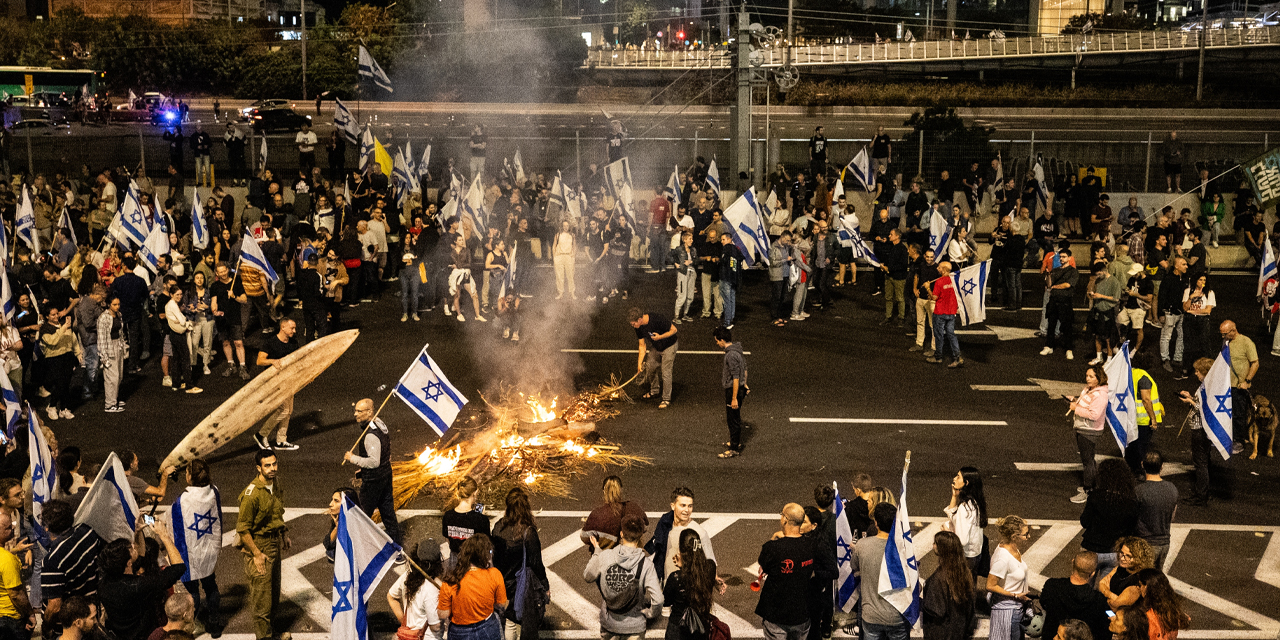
(71, 568)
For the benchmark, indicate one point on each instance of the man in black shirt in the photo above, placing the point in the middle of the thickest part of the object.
(1047, 231)
(315, 322)
(133, 294)
(275, 349)
(129, 598)
(1059, 312)
(921, 274)
(881, 149)
(1074, 599)
(226, 318)
(730, 272)
(71, 564)
(658, 344)
(1169, 315)
(880, 228)
(818, 153)
(1254, 230)
(615, 141)
(788, 566)
(894, 264)
(56, 292)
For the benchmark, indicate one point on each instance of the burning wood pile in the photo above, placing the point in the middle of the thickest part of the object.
(517, 440)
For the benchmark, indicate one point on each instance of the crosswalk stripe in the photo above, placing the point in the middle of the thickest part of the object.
(1177, 538)
(1047, 547)
(585, 614)
(923, 540)
(1269, 567)
(1224, 606)
(295, 587)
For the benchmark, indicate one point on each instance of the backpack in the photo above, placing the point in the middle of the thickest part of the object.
(719, 630)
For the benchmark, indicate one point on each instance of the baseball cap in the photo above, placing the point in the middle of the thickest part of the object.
(1135, 269)
(428, 551)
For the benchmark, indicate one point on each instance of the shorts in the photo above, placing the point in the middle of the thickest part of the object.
(1172, 169)
(845, 255)
(230, 331)
(1102, 324)
(1132, 317)
(278, 289)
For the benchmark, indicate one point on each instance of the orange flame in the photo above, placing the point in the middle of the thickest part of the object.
(440, 463)
(541, 412)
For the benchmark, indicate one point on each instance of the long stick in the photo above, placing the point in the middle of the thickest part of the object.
(366, 427)
(907, 464)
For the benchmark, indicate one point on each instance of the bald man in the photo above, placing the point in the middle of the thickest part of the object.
(787, 562)
(373, 457)
(1244, 366)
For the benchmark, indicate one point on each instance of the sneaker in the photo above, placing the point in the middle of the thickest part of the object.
(676, 321)
(481, 319)
(244, 373)
(447, 310)
(168, 381)
(114, 409)
(404, 317)
(195, 390)
(515, 337)
(52, 413)
(66, 414)
(1038, 333)
(728, 326)
(690, 319)
(796, 318)
(506, 333)
(206, 370)
(1070, 356)
(416, 318)
(1097, 360)
(1080, 497)
(231, 368)
(929, 353)
(285, 446)
(933, 360)
(1237, 448)
(461, 319)
(957, 363)
(804, 315)
(1167, 366)
(261, 441)
(1215, 245)
(1046, 351)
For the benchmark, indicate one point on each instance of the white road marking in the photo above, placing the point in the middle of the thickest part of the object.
(295, 587)
(1001, 333)
(633, 352)
(1006, 387)
(1224, 606)
(1177, 538)
(1169, 468)
(992, 423)
(923, 539)
(1045, 549)
(1269, 566)
(584, 613)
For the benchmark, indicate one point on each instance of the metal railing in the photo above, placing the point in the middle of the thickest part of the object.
(898, 51)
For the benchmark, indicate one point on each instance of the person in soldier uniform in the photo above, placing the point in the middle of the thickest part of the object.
(263, 538)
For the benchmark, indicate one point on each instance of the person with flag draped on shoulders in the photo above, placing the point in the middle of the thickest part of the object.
(197, 519)
(881, 620)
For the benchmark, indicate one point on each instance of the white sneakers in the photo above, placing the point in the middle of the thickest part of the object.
(1046, 351)
(1081, 496)
(1070, 356)
(166, 382)
(52, 413)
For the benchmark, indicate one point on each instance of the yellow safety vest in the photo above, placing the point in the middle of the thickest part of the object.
(1139, 374)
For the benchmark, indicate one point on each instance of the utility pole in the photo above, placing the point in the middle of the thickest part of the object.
(303, 11)
(1204, 38)
(741, 160)
(791, 31)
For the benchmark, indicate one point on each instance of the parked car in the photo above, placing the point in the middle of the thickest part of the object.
(277, 119)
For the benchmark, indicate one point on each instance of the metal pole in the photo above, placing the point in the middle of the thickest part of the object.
(695, 141)
(791, 31)
(577, 142)
(303, 18)
(920, 161)
(741, 161)
(1204, 37)
(1032, 155)
(1146, 181)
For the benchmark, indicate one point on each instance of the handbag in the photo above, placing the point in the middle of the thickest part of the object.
(522, 580)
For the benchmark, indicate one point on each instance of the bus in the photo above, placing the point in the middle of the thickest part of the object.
(22, 81)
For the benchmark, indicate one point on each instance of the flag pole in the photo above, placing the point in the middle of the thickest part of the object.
(366, 430)
(907, 464)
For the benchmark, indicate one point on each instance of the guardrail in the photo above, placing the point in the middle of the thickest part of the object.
(899, 51)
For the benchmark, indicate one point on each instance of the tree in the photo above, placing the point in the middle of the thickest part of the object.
(948, 143)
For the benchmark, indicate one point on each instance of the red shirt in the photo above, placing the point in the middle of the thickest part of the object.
(945, 292)
(660, 208)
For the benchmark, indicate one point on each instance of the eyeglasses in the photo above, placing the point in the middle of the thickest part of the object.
(1126, 555)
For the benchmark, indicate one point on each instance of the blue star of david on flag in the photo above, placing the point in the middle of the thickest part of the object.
(1223, 400)
(363, 554)
(203, 524)
(968, 287)
(429, 394)
(1215, 404)
(341, 593)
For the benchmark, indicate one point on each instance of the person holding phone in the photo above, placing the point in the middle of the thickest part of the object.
(465, 519)
(61, 355)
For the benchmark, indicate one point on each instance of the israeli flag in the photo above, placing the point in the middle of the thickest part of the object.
(366, 149)
(157, 245)
(64, 222)
(403, 182)
(900, 571)
(12, 407)
(429, 394)
(746, 226)
(519, 167)
(345, 121)
(713, 178)
(1267, 269)
(363, 555)
(199, 228)
(1122, 407)
(6, 294)
(369, 68)
(1214, 399)
(109, 508)
(837, 191)
(262, 153)
(573, 203)
(473, 207)
(4, 245)
(846, 585)
(617, 176)
(197, 530)
(851, 237)
(557, 191)
(44, 470)
(450, 209)
(1042, 190)
(509, 281)
(970, 289)
(133, 222)
(251, 254)
(626, 204)
(672, 191)
(425, 166)
(25, 222)
(939, 235)
(860, 167)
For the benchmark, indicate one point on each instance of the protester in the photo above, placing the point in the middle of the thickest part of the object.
(947, 603)
(472, 592)
(260, 526)
(519, 549)
(413, 597)
(274, 350)
(1061, 285)
(945, 307)
(630, 591)
(1201, 448)
(1157, 502)
(1090, 410)
(1075, 598)
(1007, 583)
(1121, 585)
(688, 588)
(199, 486)
(734, 380)
(1165, 613)
(967, 516)
(604, 523)
(666, 535)
(129, 597)
(658, 344)
(372, 455)
(787, 565)
(463, 519)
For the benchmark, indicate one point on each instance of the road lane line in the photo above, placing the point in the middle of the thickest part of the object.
(1224, 606)
(633, 352)
(1177, 538)
(990, 423)
(1269, 567)
(1006, 387)
(1045, 549)
(295, 587)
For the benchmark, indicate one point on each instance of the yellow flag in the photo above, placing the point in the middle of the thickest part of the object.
(381, 157)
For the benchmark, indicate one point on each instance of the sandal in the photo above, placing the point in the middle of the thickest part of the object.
(664, 404)
(648, 395)
(730, 453)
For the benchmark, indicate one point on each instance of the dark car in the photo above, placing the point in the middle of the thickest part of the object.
(277, 119)
(270, 103)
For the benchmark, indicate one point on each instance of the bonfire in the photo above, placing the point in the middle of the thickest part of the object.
(518, 440)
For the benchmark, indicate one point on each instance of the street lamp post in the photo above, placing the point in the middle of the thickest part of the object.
(303, 17)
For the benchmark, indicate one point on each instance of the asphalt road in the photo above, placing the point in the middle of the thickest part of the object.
(838, 364)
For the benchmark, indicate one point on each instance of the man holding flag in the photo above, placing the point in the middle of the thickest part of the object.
(945, 308)
(373, 456)
(1242, 356)
(899, 582)
(881, 619)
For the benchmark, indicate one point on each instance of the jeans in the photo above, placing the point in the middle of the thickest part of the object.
(90, 368)
(924, 317)
(894, 295)
(944, 334)
(664, 360)
(709, 294)
(734, 416)
(1172, 323)
(213, 599)
(798, 295)
(686, 289)
(375, 494)
(1061, 317)
(1044, 312)
(410, 287)
(203, 171)
(315, 320)
(488, 629)
(1013, 287)
(1211, 233)
(1087, 445)
(822, 280)
(786, 632)
(477, 166)
(729, 294)
(885, 631)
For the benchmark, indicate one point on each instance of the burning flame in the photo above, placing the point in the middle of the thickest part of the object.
(440, 463)
(572, 447)
(514, 441)
(531, 477)
(541, 413)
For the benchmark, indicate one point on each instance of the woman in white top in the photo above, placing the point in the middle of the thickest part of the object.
(413, 598)
(178, 326)
(967, 514)
(1007, 583)
(1198, 302)
(958, 250)
(563, 250)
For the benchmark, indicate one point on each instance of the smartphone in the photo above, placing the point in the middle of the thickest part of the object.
(150, 520)
(1110, 613)
(479, 508)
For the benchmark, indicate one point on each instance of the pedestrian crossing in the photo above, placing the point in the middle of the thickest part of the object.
(1228, 574)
